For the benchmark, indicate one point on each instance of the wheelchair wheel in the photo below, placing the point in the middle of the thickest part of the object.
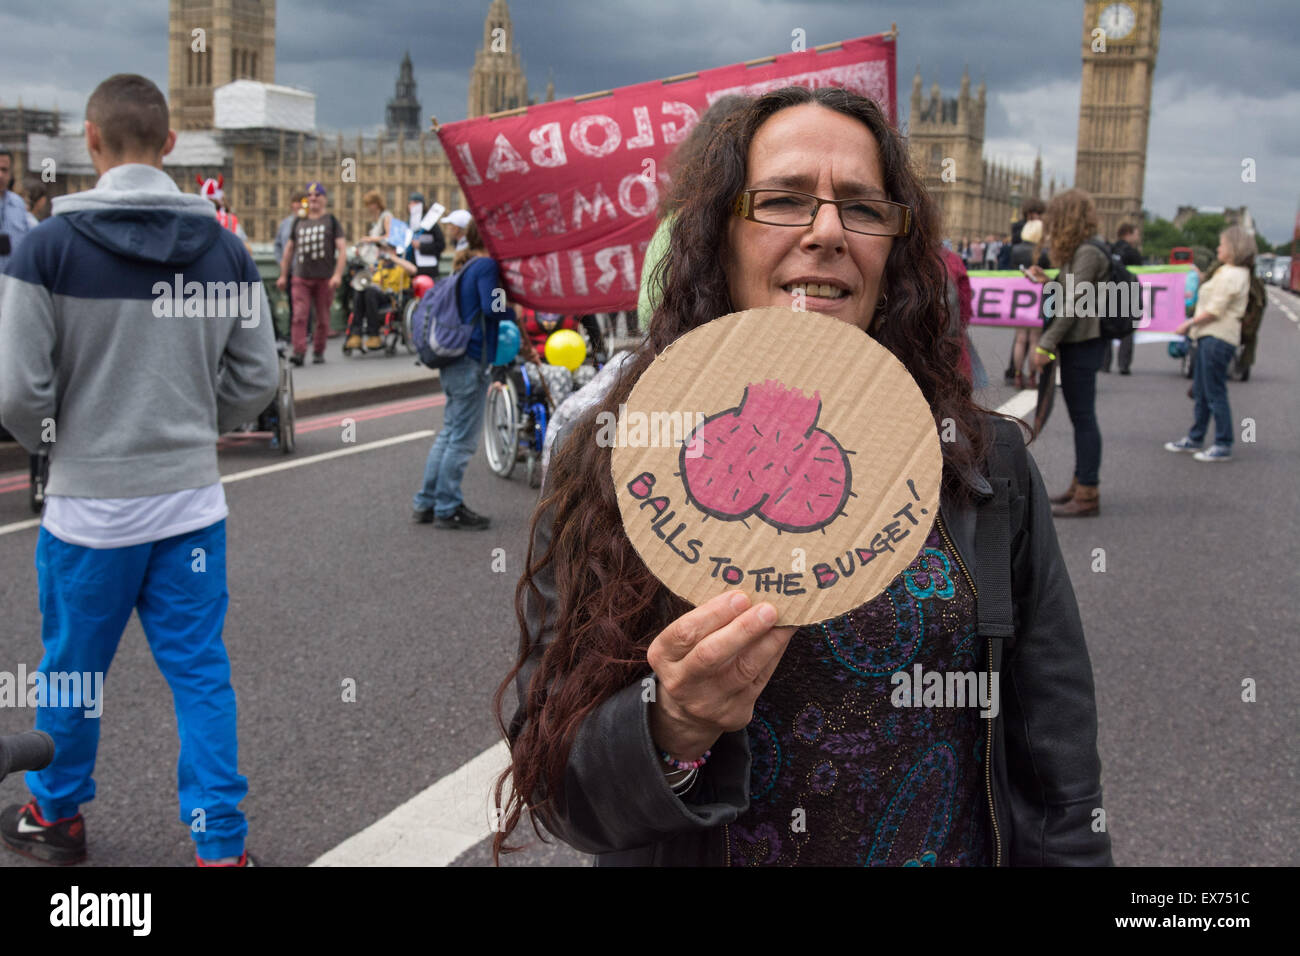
(501, 428)
(284, 407)
(408, 331)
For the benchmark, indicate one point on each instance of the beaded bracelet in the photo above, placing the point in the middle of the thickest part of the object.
(683, 764)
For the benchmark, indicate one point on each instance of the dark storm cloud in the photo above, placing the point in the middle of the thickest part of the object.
(1225, 63)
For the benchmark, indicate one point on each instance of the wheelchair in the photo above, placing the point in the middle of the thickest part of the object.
(278, 418)
(395, 328)
(520, 402)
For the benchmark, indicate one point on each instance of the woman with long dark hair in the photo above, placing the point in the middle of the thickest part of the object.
(650, 732)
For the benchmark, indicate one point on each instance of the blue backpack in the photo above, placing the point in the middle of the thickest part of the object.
(439, 334)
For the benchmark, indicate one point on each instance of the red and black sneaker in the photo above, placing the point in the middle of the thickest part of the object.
(24, 830)
(246, 859)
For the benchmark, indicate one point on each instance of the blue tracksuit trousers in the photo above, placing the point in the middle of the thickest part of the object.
(178, 587)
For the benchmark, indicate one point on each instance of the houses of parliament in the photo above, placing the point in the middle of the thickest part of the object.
(265, 161)
(264, 166)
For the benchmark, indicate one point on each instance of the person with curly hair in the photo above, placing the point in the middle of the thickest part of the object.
(1074, 331)
(649, 732)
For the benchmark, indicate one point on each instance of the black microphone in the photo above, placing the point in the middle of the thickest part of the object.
(31, 750)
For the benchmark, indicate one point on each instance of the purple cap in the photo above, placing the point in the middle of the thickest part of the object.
(315, 189)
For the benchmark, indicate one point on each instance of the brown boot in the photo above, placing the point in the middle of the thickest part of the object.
(1085, 504)
(1065, 496)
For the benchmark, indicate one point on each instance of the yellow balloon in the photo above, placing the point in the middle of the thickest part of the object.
(566, 348)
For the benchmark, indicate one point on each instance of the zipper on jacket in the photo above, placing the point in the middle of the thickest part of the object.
(726, 835)
(988, 750)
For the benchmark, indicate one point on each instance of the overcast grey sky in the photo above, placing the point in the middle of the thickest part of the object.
(1227, 81)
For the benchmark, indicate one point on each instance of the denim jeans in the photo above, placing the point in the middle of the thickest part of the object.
(465, 386)
(1079, 364)
(1210, 389)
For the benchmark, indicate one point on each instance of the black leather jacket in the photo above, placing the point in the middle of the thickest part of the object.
(1043, 785)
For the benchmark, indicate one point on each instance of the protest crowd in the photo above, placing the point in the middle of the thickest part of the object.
(743, 727)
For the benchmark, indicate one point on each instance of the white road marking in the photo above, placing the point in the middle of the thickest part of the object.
(1021, 404)
(443, 821)
(1276, 299)
(20, 526)
(272, 469)
(324, 456)
(433, 827)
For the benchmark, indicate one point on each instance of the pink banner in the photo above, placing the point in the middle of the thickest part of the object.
(565, 194)
(1012, 300)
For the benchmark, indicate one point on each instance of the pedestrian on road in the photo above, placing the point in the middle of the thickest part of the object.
(129, 403)
(314, 257)
(297, 210)
(1074, 331)
(1129, 252)
(465, 383)
(1022, 253)
(1216, 330)
(651, 733)
(426, 245)
(13, 211)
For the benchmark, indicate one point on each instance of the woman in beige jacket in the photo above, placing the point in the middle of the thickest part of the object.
(1216, 329)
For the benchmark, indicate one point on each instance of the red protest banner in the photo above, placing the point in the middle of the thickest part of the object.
(565, 193)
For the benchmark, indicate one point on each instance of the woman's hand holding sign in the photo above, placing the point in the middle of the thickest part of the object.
(712, 664)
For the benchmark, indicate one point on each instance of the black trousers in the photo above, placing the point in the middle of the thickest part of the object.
(372, 303)
(1079, 364)
(1125, 354)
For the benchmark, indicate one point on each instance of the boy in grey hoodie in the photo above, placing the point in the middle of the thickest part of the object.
(133, 330)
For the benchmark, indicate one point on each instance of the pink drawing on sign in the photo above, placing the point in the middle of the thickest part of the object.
(767, 457)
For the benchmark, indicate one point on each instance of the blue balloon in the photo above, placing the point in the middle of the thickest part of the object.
(507, 343)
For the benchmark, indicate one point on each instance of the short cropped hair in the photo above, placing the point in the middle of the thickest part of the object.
(1126, 229)
(1241, 244)
(1033, 206)
(131, 114)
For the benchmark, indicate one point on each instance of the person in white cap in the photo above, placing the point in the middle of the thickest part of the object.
(455, 223)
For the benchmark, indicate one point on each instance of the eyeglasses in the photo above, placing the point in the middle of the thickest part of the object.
(785, 207)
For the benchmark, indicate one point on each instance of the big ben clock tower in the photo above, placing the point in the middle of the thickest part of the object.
(1120, 42)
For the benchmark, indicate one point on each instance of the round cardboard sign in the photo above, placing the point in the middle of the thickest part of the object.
(782, 453)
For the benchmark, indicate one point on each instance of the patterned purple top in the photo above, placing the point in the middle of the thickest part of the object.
(853, 768)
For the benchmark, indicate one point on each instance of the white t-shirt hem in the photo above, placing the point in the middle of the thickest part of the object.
(104, 523)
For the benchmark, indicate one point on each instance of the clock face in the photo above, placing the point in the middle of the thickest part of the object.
(1117, 20)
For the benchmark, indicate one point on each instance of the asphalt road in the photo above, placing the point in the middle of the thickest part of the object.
(330, 580)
